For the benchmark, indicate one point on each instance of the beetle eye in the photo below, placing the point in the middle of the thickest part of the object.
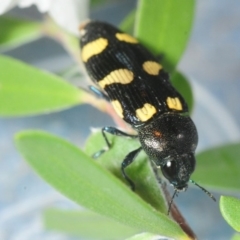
(169, 170)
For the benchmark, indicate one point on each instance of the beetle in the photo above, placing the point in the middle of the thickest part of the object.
(140, 91)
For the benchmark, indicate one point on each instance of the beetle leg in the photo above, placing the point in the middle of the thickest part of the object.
(113, 131)
(98, 93)
(127, 161)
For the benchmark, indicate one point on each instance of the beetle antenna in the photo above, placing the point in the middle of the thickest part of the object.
(206, 191)
(170, 204)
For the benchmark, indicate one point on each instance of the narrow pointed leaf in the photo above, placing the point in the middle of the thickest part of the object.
(219, 167)
(140, 171)
(25, 90)
(84, 181)
(164, 26)
(86, 224)
(17, 32)
(230, 209)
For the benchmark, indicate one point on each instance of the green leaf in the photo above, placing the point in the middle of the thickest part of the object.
(86, 224)
(164, 27)
(180, 82)
(25, 90)
(235, 237)
(230, 209)
(219, 167)
(140, 171)
(16, 32)
(84, 181)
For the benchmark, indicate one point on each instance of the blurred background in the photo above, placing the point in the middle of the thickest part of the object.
(211, 62)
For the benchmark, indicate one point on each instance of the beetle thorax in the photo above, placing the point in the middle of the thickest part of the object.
(168, 136)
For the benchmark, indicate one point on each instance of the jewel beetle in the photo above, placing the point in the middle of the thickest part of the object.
(135, 83)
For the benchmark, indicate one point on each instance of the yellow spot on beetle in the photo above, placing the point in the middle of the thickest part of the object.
(152, 67)
(123, 76)
(174, 103)
(126, 38)
(146, 112)
(118, 108)
(93, 48)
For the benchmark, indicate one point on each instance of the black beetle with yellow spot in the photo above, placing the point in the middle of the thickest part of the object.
(131, 78)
